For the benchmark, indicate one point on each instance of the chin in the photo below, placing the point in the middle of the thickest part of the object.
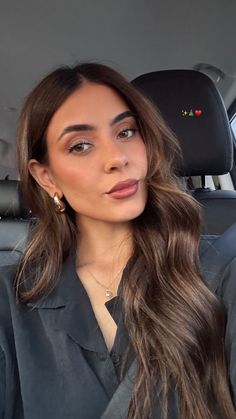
(129, 214)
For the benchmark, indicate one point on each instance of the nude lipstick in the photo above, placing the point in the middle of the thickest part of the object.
(124, 189)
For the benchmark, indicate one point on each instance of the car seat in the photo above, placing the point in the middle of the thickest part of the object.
(15, 221)
(192, 106)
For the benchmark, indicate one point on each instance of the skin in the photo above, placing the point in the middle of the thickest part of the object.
(84, 174)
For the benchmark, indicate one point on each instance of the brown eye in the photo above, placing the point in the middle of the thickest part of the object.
(127, 133)
(80, 148)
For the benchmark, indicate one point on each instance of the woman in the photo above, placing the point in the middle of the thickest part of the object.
(108, 295)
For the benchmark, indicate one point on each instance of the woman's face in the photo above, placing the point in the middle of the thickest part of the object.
(93, 146)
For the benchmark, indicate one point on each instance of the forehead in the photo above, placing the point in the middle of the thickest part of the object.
(91, 104)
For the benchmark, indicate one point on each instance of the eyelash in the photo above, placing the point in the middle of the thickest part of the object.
(82, 143)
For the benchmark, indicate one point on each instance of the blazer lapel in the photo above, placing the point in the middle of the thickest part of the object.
(119, 403)
(67, 308)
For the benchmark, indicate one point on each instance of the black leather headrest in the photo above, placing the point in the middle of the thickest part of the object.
(11, 203)
(193, 108)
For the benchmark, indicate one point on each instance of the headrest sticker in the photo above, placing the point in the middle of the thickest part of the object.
(191, 112)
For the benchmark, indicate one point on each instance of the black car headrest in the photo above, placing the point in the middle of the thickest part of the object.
(192, 106)
(11, 203)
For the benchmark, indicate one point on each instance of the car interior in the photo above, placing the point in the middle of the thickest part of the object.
(179, 54)
(193, 108)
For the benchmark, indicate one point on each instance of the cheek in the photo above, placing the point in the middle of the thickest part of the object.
(75, 180)
(70, 175)
(141, 157)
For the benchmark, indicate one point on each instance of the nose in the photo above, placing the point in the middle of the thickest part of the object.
(115, 159)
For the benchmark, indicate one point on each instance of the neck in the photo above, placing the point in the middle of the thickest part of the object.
(103, 245)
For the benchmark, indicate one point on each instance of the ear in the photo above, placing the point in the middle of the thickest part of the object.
(43, 176)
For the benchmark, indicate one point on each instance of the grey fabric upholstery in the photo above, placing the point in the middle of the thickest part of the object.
(11, 202)
(218, 209)
(15, 221)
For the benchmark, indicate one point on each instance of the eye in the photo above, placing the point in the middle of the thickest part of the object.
(127, 133)
(80, 147)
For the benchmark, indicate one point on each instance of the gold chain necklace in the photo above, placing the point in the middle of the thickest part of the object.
(108, 293)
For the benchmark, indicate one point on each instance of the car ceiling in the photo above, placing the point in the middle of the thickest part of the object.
(132, 36)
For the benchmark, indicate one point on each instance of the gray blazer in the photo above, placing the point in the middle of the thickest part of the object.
(218, 263)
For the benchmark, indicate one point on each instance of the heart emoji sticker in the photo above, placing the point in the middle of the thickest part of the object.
(198, 112)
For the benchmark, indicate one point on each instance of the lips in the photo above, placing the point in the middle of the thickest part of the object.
(123, 185)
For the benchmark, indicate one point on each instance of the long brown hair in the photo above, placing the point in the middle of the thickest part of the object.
(175, 324)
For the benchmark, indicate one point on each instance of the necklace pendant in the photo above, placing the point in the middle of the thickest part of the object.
(109, 293)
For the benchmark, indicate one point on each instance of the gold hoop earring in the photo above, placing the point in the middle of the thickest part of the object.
(58, 204)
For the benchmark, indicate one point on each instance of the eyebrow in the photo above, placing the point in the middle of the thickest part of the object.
(87, 127)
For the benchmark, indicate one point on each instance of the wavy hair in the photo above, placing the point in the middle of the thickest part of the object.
(175, 324)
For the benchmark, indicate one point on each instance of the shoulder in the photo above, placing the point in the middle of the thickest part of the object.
(218, 264)
(8, 362)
